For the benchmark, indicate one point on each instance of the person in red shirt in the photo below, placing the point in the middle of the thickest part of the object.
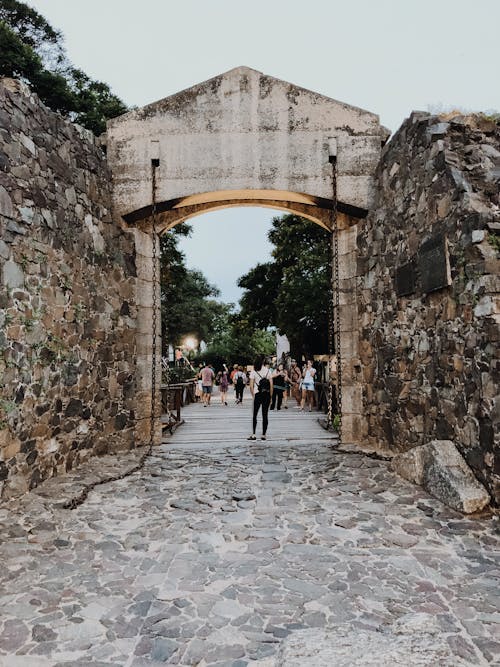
(207, 382)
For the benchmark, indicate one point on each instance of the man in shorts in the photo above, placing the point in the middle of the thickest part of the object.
(207, 381)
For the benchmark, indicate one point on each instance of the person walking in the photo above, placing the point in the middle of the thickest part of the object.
(207, 381)
(295, 380)
(261, 388)
(279, 385)
(223, 386)
(308, 385)
(240, 380)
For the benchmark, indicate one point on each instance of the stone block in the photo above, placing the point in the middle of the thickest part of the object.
(348, 319)
(144, 293)
(354, 428)
(9, 445)
(6, 207)
(144, 320)
(478, 235)
(142, 432)
(349, 344)
(441, 470)
(358, 190)
(414, 639)
(12, 275)
(144, 344)
(143, 243)
(352, 399)
(348, 266)
(347, 241)
(357, 155)
(144, 268)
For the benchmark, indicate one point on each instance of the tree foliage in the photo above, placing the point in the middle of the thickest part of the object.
(237, 341)
(189, 306)
(292, 292)
(33, 51)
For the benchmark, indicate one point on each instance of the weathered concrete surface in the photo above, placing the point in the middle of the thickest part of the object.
(243, 136)
(439, 467)
(172, 567)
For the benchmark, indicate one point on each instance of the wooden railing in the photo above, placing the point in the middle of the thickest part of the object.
(173, 400)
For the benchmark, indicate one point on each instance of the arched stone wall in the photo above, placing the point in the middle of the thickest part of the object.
(244, 138)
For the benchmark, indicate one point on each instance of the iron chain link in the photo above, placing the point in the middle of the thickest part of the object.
(154, 239)
(334, 322)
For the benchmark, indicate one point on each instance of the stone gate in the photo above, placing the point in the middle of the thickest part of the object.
(418, 239)
(244, 138)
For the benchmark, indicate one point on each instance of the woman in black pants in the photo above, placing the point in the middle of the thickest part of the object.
(261, 388)
(279, 385)
(239, 381)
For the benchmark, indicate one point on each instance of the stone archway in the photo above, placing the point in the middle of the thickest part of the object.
(244, 138)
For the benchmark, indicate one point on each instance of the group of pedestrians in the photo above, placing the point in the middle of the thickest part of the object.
(270, 387)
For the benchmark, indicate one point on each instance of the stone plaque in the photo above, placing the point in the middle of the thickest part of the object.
(434, 264)
(405, 279)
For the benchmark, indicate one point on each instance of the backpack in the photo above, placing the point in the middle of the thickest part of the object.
(239, 382)
(264, 385)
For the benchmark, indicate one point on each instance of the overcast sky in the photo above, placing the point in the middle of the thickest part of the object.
(387, 56)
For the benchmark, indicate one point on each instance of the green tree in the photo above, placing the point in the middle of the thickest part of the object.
(293, 291)
(34, 52)
(189, 305)
(237, 341)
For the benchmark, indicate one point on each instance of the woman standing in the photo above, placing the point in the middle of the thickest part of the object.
(308, 385)
(279, 385)
(261, 388)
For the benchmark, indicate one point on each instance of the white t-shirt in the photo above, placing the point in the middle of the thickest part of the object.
(256, 376)
(309, 377)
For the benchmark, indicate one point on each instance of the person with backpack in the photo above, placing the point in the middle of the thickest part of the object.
(240, 380)
(261, 388)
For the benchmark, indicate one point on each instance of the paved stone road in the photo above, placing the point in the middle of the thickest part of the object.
(221, 548)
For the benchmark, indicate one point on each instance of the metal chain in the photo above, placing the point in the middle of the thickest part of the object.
(331, 306)
(155, 281)
(336, 296)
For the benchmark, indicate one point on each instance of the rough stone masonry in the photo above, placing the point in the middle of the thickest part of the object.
(429, 291)
(67, 376)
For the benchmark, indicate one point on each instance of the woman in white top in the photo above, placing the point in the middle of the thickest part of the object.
(308, 385)
(261, 388)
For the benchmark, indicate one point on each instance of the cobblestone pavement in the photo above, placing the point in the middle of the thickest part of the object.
(223, 547)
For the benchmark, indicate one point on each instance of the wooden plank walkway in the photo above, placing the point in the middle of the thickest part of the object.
(221, 425)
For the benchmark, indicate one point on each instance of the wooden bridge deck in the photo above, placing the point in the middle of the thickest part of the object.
(219, 424)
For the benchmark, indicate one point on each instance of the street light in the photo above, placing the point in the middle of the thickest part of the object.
(190, 343)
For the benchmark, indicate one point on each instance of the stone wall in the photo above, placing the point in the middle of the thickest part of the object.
(67, 294)
(428, 291)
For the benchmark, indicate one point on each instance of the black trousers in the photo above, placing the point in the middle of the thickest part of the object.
(259, 400)
(277, 398)
(239, 391)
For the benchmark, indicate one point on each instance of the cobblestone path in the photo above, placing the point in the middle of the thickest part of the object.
(223, 547)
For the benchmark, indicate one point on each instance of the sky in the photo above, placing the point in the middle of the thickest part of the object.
(387, 56)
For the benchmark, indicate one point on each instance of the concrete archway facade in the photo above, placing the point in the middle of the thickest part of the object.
(245, 138)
